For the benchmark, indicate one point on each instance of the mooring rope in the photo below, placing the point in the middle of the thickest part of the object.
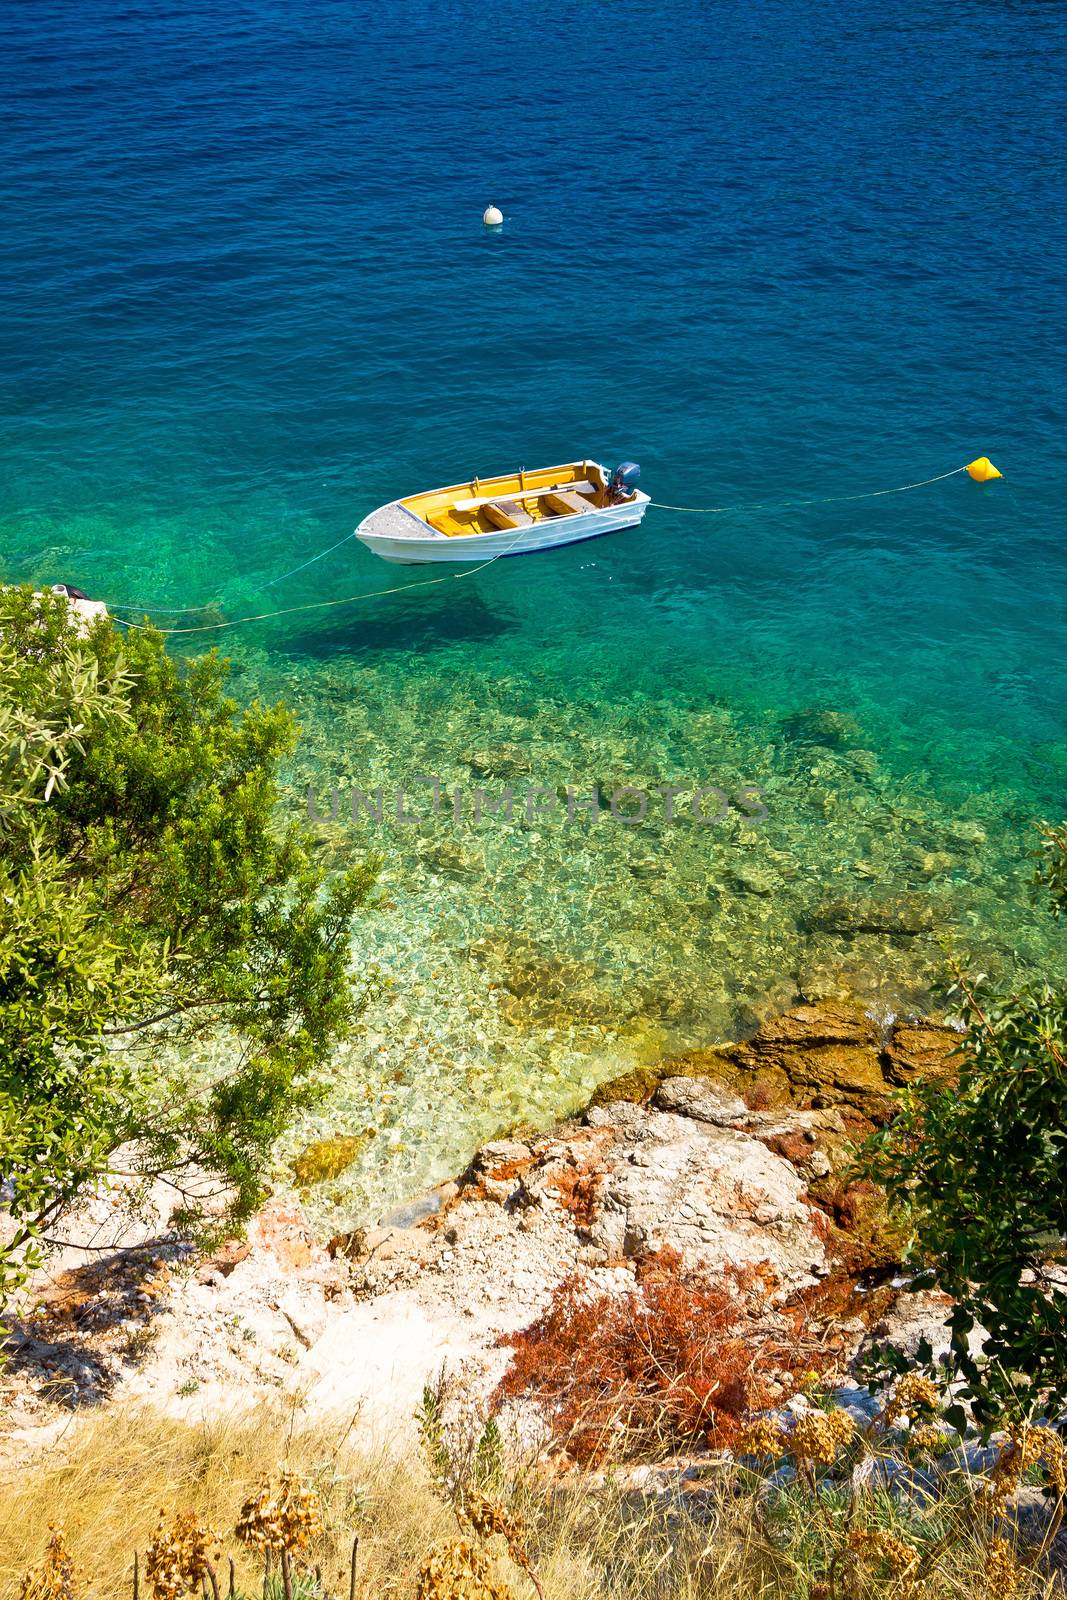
(347, 600)
(821, 500)
(187, 611)
(453, 577)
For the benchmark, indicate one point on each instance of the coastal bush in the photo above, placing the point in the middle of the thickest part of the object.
(150, 898)
(978, 1173)
(678, 1360)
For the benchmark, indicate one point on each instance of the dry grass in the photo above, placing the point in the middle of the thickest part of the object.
(107, 1480)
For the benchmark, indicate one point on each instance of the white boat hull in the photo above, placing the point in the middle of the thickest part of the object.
(384, 533)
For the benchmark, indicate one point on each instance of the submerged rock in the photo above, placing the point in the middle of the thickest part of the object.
(500, 761)
(967, 833)
(328, 1158)
(538, 987)
(931, 863)
(824, 1055)
(905, 916)
(753, 877)
(636, 1086)
(833, 729)
(452, 858)
(863, 762)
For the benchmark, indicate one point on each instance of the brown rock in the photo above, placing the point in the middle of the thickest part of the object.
(229, 1255)
(864, 1239)
(830, 1054)
(281, 1228)
(494, 1172)
(830, 1050)
(799, 1147)
(351, 1246)
(829, 1023)
(501, 1153)
(764, 1088)
(921, 1050)
(637, 1087)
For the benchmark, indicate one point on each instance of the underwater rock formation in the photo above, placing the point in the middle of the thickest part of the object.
(328, 1158)
(833, 729)
(538, 986)
(814, 1055)
(905, 916)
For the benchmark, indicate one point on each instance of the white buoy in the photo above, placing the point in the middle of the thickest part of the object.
(492, 216)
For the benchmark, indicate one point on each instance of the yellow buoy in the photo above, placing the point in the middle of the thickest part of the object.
(983, 470)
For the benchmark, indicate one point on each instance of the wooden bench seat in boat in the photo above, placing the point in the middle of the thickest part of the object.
(565, 502)
(507, 514)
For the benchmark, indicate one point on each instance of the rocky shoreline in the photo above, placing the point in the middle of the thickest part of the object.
(734, 1154)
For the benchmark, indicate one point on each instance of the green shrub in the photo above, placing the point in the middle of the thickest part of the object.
(149, 897)
(979, 1172)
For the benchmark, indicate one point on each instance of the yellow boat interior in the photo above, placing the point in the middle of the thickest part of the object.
(516, 500)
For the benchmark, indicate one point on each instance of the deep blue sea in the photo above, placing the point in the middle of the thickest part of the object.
(771, 251)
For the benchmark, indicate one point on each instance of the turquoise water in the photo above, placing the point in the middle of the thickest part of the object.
(768, 251)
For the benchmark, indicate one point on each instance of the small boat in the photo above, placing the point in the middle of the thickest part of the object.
(512, 515)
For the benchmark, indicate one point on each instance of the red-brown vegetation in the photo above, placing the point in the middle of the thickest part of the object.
(836, 1304)
(676, 1361)
(576, 1188)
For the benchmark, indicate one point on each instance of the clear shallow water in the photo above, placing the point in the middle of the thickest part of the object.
(767, 252)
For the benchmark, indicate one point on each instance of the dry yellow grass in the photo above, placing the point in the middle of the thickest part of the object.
(107, 1480)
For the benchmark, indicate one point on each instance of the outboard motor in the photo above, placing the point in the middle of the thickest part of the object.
(623, 482)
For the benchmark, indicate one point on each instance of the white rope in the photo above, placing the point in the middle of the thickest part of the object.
(187, 611)
(310, 563)
(821, 500)
(347, 600)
